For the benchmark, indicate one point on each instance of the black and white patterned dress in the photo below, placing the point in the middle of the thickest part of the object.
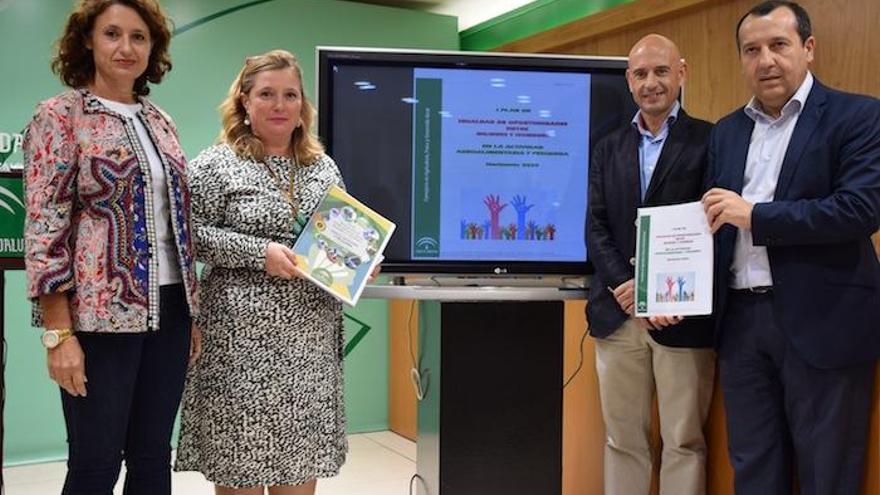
(264, 403)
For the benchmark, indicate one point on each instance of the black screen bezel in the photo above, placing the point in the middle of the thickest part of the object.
(328, 56)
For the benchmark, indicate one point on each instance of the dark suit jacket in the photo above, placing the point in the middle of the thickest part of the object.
(817, 229)
(614, 196)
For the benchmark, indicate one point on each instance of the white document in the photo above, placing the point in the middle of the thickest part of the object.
(674, 261)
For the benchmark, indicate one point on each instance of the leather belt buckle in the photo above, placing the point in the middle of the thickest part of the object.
(753, 291)
(764, 289)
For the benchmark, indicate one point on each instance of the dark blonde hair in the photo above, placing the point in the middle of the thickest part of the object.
(74, 62)
(305, 147)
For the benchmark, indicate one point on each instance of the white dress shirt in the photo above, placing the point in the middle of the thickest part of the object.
(770, 139)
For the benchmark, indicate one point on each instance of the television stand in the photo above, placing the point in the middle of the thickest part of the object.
(491, 375)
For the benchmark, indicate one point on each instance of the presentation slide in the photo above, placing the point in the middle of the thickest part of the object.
(499, 165)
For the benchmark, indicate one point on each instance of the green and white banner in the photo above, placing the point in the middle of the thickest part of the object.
(12, 213)
(642, 250)
(426, 169)
(10, 151)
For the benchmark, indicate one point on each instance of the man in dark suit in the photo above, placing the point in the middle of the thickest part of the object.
(796, 197)
(658, 159)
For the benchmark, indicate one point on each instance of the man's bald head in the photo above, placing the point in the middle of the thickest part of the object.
(655, 74)
(656, 42)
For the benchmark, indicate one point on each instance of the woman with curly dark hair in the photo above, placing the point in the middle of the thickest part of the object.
(109, 253)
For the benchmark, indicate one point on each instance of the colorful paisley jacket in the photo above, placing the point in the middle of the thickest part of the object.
(89, 229)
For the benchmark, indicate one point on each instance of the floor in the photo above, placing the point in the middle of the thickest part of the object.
(379, 463)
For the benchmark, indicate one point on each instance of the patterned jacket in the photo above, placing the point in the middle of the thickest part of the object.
(89, 229)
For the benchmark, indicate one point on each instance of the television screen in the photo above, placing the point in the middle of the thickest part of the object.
(480, 159)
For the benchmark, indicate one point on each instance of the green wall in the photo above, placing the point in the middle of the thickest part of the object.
(213, 38)
(531, 18)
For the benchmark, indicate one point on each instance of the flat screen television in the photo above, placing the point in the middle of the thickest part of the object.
(481, 159)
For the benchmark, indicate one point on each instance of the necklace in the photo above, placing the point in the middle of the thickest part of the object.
(298, 220)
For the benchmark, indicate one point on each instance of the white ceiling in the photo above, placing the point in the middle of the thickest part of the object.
(469, 12)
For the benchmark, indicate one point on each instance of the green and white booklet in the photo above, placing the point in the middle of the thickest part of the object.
(341, 245)
(674, 261)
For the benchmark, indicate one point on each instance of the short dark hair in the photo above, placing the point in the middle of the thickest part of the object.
(74, 62)
(804, 28)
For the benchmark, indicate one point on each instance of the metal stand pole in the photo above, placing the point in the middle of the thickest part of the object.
(2, 369)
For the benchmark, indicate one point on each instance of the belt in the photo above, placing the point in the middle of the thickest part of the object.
(753, 291)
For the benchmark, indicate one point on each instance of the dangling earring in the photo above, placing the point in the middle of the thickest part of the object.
(247, 121)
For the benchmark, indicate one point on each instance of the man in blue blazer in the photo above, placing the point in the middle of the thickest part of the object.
(657, 159)
(796, 197)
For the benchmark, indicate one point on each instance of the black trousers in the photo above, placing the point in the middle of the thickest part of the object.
(786, 418)
(135, 382)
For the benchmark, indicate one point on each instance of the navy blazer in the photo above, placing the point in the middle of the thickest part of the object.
(817, 229)
(614, 196)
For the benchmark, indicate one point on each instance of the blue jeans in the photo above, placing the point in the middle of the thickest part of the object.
(135, 382)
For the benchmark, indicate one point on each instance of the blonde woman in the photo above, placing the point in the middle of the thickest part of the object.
(263, 408)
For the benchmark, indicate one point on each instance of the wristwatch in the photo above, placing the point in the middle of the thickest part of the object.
(53, 338)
